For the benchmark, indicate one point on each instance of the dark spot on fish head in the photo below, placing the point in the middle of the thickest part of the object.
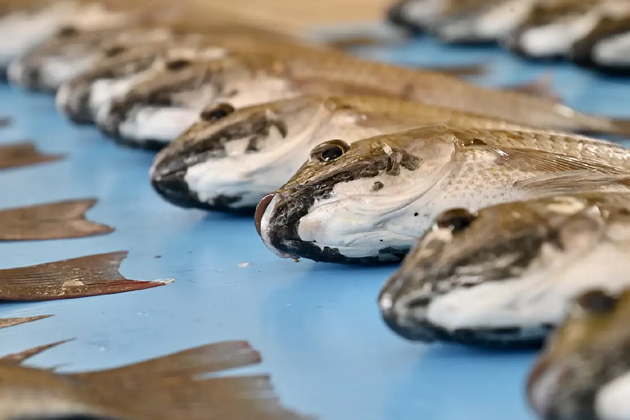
(114, 50)
(221, 133)
(217, 112)
(177, 64)
(67, 32)
(456, 220)
(378, 185)
(595, 302)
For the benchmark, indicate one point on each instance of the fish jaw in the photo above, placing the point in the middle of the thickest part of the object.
(416, 14)
(147, 127)
(613, 51)
(553, 39)
(503, 18)
(47, 75)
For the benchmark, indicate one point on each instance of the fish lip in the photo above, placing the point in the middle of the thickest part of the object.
(171, 185)
(72, 100)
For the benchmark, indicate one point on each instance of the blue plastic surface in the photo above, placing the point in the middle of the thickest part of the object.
(317, 325)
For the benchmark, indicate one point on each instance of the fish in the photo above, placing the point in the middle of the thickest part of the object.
(175, 386)
(90, 275)
(56, 220)
(502, 276)
(229, 159)
(24, 24)
(582, 372)
(606, 46)
(22, 356)
(553, 27)
(123, 65)
(71, 52)
(161, 108)
(10, 322)
(19, 154)
(370, 201)
(482, 21)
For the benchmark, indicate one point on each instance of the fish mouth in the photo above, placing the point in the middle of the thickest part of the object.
(150, 127)
(170, 183)
(72, 100)
(23, 74)
(278, 220)
(408, 317)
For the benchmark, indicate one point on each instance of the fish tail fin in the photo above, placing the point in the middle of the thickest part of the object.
(92, 275)
(173, 386)
(10, 322)
(59, 220)
(19, 358)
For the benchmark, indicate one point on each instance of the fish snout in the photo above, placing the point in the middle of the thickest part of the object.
(260, 211)
(72, 101)
(25, 75)
(262, 218)
(170, 184)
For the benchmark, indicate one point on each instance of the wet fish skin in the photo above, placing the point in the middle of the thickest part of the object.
(592, 51)
(583, 369)
(169, 387)
(257, 78)
(229, 161)
(377, 196)
(80, 98)
(26, 24)
(502, 276)
(49, 65)
(552, 28)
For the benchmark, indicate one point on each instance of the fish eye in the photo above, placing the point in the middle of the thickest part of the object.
(329, 151)
(218, 112)
(67, 31)
(456, 220)
(595, 302)
(114, 51)
(176, 65)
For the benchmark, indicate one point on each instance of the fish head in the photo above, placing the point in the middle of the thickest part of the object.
(229, 159)
(113, 75)
(483, 278)
(73, 51)
(346, 202)
(580, 363)
(166, 100)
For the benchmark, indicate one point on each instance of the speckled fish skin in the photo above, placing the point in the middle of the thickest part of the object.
(583, 371)
(502, 276)
(257, 78)
(24, 24)
(165, 388)
(230, 162)
(553, 27)
(371, 200)
(606, 46)
(80, 97)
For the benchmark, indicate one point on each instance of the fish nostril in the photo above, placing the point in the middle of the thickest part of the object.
(260, 211)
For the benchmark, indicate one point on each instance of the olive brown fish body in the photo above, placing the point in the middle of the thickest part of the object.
(583, 372)
(553, 27)
(178, 95)
(230, 159)
(371, 200)
(502, 276)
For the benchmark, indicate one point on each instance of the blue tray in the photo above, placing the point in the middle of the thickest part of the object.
(317, 325)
